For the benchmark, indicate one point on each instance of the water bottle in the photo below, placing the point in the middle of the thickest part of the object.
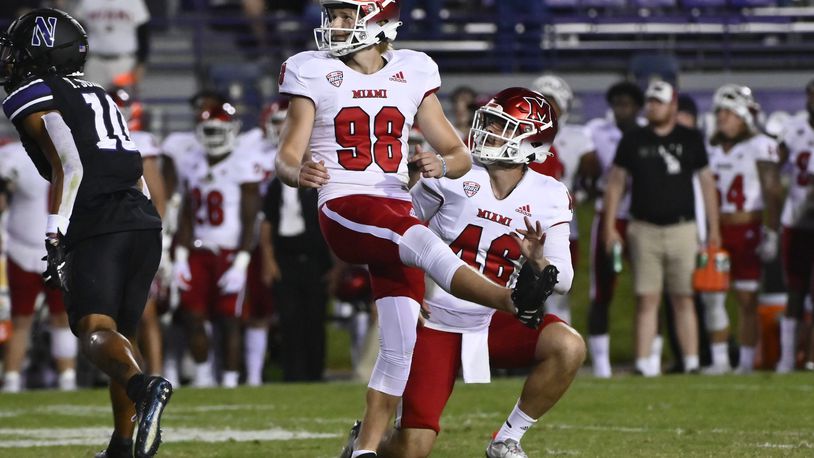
(617, 257)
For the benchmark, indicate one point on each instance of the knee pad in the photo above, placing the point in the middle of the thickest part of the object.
(419, 247)
(63, 343)
(397, 334)
(715, 311)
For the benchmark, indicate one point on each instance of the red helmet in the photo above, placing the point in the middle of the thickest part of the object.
(132, 110)
(354, 286)
(217, 129)
(517, 126)
(376, 21)
(272, 117)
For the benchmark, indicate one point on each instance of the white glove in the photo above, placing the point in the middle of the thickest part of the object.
(180, 269)
(233, 280)
(767, 249)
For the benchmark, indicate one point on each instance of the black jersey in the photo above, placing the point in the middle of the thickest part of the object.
(107, 199)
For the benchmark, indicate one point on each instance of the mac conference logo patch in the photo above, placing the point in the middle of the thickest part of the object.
(471, 188)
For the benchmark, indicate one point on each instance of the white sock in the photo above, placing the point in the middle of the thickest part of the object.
(203, 375)
(655, 354)
(357, 453)
(691, 363)
(644, 366)
(230, 379)
(255, 341)
(600, 355)
(12, 382)
(720, 355)
(747, 363)
(788, 330)
(515, 426)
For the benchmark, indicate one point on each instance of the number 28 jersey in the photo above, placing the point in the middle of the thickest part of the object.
(362, 121)
(106, 200)
(477, 226)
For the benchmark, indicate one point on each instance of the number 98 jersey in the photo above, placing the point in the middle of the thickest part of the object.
(106, 200)
(362, 121)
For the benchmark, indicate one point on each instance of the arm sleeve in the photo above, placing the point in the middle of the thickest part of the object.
(142, 42)
(557, 251)
(427, 198)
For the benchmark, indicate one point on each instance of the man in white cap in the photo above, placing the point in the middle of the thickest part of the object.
(660, 160)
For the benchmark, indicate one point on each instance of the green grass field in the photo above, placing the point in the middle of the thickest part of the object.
(761, 415)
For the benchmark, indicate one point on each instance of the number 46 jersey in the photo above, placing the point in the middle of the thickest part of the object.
(362, 121)
(106, 199)
(477, 226)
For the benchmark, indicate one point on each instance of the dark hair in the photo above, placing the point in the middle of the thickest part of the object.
(625, 88)
(195, 100)
(687, 105)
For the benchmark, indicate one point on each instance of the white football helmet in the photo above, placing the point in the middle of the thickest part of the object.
(217, 130)
(517, 126)
(555, 88)
(739, 100)
(376, 21)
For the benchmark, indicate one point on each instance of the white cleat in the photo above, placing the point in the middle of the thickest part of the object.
(509, 448)
(12, 382)
(742, 370)
(67, 380)
(809, 366)
(784, 367)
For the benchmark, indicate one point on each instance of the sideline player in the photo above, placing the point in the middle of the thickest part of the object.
(99, 216)
(795, 150)
(353, 103)
(27, 209)
(214, 240)
(478, 216)
(572, 144)
(745, 164)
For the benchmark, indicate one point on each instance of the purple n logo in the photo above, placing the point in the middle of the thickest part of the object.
(44, 32)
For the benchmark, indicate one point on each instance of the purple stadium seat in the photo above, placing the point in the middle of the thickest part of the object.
(573, 4)
(703, 3)
(603, 3)
(752, 3)
(653, 3)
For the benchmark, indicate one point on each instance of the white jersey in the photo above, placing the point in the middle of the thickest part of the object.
(736, 173)
(798, 136)
(111, 25)
(606, 136)
(28, 208)
(256, 147)
(572, 142)
(146, 142)
(465, 214)
(215, 194)
(362, 121)
(181, 147)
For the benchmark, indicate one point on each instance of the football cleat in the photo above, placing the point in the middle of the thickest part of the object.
(148, 411)
(352, 435)
(509, 448)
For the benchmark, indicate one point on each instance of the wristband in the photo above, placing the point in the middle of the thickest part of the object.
(56, 224)
(181, 254)
(443, 165)
(242, 260)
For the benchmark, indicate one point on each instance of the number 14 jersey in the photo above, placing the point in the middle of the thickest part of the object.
(362, 121)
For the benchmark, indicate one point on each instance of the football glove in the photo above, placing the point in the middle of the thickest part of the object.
(56, 270)
(233, 280)
(181, 275)
(531, 291)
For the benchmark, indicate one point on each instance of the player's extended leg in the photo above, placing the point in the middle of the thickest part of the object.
(121, 441)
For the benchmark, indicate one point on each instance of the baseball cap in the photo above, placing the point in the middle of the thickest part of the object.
(661, 91)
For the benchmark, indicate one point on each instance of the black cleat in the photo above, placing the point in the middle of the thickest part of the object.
(352, 435)
(148, 411)
(531, 291)
(117, 448)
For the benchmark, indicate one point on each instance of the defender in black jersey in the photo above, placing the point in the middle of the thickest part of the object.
(104, 236)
